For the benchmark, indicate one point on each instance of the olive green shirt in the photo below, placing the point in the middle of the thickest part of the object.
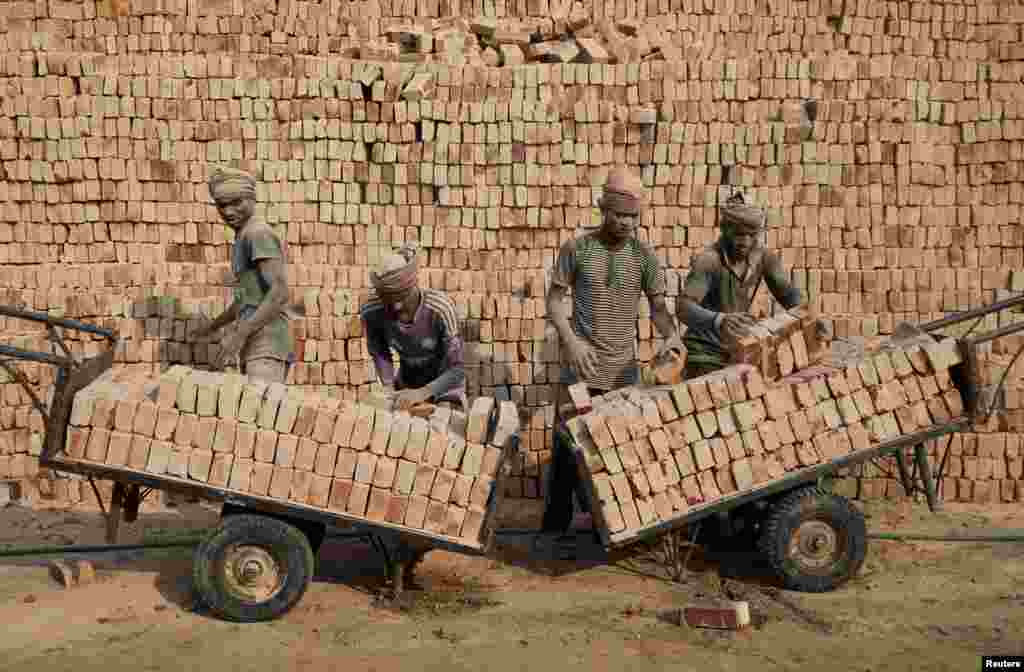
(254, 243)
(716, 287)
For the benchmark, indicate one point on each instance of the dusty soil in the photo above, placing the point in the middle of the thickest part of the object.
(915, 606)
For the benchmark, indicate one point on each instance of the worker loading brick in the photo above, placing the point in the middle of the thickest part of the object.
(606, 272)
(422, 327)
(260, 337)
(720, 287)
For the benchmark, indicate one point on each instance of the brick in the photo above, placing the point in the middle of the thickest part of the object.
(708, 487)
(453, 453)
(619, 429)
(319, 491)
(444, 481)
(424, 480)
(734, 447)
(682, 399)
(377, 505)
(685, 462)
(726, 423)
(419, 433)
(752, 444)
(724, 480)
(124, 414)
(138, 454)
(580, 398)
(262, 474)
(248, 407)
(145, 418)
(341, 493)
(437, 446)
(207, 393)
(416, 512)
(700, 394)
(159, 457)
(241, 474)
(708, 423)
(621, 487)
(646, 511)
(118, 449)
(199, 463)
(225, 436)
(779, 401)
(398, 439)
(655, 477)
(384, 472)
(491, 461)
(479, 420)
(702, 455)
(734, 616)
(287, 449)
(677, 499)
(454, 519)
(366, 464)
(205, 432)
(103, 413)
(324, 427)
(326, 460)
(220, 469)
(305, 421)
(437, 517)
(305, 454)
(358, 499)
(96, 449)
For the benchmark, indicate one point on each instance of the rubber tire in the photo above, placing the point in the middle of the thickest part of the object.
(286, 543)
(812, 503)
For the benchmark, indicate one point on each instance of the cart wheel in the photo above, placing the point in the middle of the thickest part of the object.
(814, 540)
(253, 568)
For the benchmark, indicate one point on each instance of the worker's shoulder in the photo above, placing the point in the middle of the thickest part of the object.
(707, 260)
(441, 305)
(258, 229)
(371, 307)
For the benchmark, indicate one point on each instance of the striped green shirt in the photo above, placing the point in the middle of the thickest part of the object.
(606, 286)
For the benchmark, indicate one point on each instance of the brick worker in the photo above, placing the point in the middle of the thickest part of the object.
(260, 337)
(422, 328)
(606, 271)
(721, 285)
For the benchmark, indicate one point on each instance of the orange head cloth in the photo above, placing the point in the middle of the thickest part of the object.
(622, 191)
(231, 183)
(397, 271)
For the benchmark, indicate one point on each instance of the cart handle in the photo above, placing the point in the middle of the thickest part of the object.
(33, 316)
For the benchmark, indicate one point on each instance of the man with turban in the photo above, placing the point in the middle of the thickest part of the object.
(606, 272)
(422, 328)
(260, 337)
(721, 285)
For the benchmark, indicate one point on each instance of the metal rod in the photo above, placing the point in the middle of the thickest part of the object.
(31, 356)
(921, 457)
(45, 318)
(997, 333)
(956, 318)
(953, 535)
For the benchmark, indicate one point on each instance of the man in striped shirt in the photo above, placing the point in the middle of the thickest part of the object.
(606, 272)
(422, 327)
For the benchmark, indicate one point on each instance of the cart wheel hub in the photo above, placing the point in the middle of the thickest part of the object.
(815, 545)
(252, 573)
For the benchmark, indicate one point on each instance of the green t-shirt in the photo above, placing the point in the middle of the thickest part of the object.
(253, 244)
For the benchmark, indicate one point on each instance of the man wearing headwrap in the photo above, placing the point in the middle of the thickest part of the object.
(421, 326)
(721, 285)
(260, 336)
(606, 272)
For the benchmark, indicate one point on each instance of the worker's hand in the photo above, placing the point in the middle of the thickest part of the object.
(671, 344)
(406, 399)
(736, 324)
(201, 333)
(230, 347)
(582, 358)
(823, 329)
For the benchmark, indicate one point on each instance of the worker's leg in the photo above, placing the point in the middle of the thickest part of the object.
(408, 554)
(266, 369)
(562, 479)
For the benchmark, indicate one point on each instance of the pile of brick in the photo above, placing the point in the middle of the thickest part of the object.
(884, 139)
(439, 474)
(653, 454)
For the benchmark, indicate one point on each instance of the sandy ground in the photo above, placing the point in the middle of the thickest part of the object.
(915, 606)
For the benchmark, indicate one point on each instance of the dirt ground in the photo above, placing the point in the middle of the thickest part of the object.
(915, 606)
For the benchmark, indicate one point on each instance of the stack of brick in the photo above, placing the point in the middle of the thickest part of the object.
(781, 344)
(884, 138)
(438, 475)
(652, 454)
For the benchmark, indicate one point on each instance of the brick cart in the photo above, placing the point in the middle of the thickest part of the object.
(756, 453)
(285, 465)
(656, 460)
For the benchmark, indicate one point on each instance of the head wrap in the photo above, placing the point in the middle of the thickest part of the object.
(397, 271)
(622, 191)
(232, 183)
(737, 212)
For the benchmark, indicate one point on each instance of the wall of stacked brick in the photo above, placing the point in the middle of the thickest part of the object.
(886, 140)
